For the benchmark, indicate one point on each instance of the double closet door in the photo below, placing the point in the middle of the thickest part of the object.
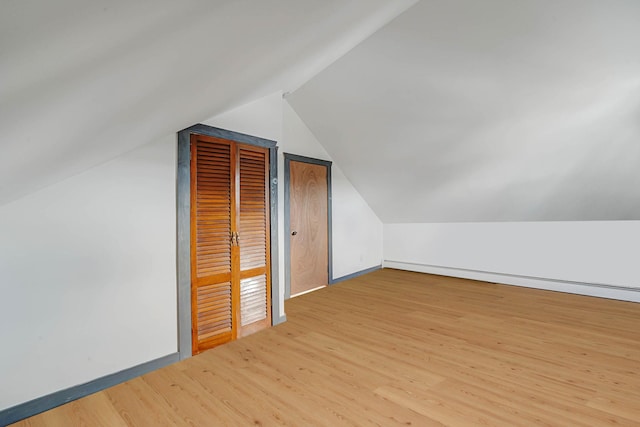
(230, 265)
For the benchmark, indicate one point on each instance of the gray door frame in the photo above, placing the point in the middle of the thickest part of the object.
(287, 218)
(183, 205)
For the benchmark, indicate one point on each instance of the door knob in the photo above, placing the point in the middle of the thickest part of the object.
(293, 233)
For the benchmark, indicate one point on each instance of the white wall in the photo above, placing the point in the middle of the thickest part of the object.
(484, 111)
(357, 231)
(114, 73)
(87, 275)
(591, 252)
(88, 265)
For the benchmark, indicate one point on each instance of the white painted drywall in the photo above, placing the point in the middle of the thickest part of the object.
(261, 117)
(493, 110)
(91, 80)
(599, 252)
(88, 276)
(357, 231)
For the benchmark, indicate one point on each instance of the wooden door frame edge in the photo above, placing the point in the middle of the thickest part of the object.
(288, 157)
(183, 224)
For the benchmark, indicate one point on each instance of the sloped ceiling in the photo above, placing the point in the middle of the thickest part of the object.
(492, 110)
(84, 81)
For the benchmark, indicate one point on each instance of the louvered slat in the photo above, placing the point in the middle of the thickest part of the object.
(211, 204)
(214, 309)
(253, 209)
(230, 284)
(253, 299)
(213, 208)
(254, 240)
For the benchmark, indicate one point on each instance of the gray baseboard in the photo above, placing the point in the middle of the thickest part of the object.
(600, 290)
(50, 401)
(354, 275)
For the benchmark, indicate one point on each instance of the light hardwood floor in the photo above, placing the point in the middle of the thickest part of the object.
(400, 348)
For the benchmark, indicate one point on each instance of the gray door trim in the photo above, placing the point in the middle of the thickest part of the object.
(183, 206)
(287, 219)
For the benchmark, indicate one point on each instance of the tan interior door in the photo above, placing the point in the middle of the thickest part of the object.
(308, 213)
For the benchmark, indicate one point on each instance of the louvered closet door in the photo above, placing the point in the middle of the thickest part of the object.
(253, 239)
(212, 255)
(230, 277)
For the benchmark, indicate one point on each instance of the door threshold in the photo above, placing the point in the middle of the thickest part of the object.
(307, 291)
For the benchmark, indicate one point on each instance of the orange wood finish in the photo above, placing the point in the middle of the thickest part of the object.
(230, 286)
(212, 254)
(308, 210)
(253, 239)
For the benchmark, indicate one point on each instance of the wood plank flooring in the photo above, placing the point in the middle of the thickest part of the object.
(400, 348)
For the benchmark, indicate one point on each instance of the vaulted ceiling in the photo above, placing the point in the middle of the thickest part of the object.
(492, 110)
(84, 81)
(455, 110)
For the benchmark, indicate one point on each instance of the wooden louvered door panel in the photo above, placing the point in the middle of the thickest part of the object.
(212, 254)
(231, 282)
(253, 233)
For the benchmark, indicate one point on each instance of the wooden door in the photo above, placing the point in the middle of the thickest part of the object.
(308, 213)
(253, 239)
(230, 266)
(212, 251)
